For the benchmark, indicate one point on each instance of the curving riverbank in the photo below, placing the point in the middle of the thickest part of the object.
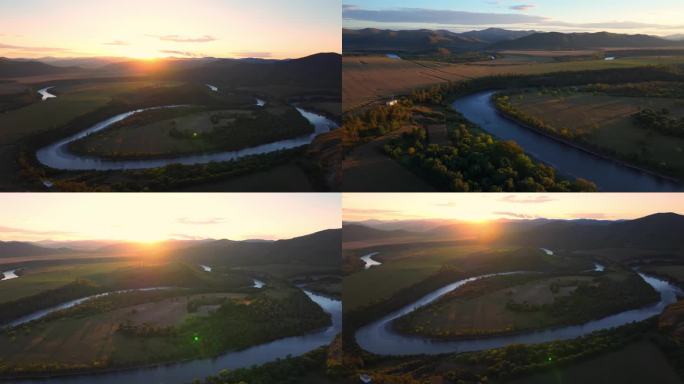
(379, 337)
(45, 94)
(567, 158)
(187, 371)
(368, 259)
(58, 156)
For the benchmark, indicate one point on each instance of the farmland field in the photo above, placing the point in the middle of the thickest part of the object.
(367, 79)
(606, 122)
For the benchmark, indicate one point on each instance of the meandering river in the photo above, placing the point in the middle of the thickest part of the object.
(378, 337)
(45, 94)
(187, 371)
(368, 259)
(570, 161)
(58, 156)
(9, 275)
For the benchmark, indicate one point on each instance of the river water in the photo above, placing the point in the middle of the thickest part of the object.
(9, 275)
(368, 259)
(45, 94)
(58, 156)
(188, 371)
(378, 337)
(608, 175)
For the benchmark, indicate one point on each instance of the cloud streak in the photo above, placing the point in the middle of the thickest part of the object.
(32, 232)
(207, 221)
(443, 17)
(180, 53)
(185, 39)
(24, 48)
(117, 42)
(522, 7)
(526, 200)
(434, 16)
(515, 215)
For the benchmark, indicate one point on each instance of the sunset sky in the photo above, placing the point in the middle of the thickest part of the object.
(154, 217)
(656, 17)
(483, 206)
(162, 28)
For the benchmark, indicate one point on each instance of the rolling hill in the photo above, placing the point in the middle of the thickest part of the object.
(22, 249)
(409, 41)
(575, 41)
(10, 68)
(662, 231)
(320, 249)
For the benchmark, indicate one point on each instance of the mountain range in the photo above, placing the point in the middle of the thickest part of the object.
(323, 70)
(317, 249)
(493, 39)
(660, 231)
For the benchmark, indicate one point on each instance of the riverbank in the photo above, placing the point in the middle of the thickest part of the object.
(581, 146)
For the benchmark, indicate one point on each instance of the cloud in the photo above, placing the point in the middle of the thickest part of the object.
(207, 221)
(23, 48)
(117, 42)
(526, 200)
(522, 7)
(449, 18)
(183, 236)
(24, 231)
(181, 53)
(185, 39)
(449, 204)
(260, 55)
(515, 215)
(435, 16)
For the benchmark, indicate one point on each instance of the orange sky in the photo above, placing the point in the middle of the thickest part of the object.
(162, 28)
(155, 217)
(491, 206)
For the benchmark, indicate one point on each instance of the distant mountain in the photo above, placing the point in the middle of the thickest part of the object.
(357, 232)
(22, 249)
(408, 41)
(22, 68)
(674, 37)
(570, 41)
(82, 62)
(495, 35)
(322, 70)
(320, 249)
(661, 231)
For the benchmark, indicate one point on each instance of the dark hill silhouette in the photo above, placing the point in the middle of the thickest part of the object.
(380, 40)
(22, 68)
(320, 249)
(662, 231)
(573, 41)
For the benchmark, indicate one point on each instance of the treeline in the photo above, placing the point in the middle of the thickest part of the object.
(290, 370)
(24, 306)
(603, 297)
(524, 359)
(477, 162)
(256, 320)
(260, 127)
(660, 121)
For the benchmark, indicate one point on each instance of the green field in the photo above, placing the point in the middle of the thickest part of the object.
(638, 363)
(207, 314)
(605, 122)
(509, 304)
(191, 130)
(41, 278)
(406, 265)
